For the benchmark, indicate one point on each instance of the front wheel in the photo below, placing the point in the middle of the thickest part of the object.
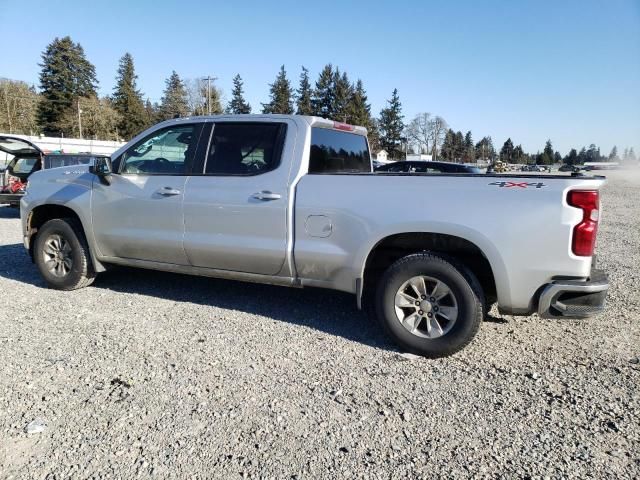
(62, 255)
(429, 306)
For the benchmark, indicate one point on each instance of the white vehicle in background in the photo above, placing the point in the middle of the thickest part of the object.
(292, 200)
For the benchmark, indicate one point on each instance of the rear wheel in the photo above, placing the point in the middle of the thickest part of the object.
(62, 255)
(429, 305)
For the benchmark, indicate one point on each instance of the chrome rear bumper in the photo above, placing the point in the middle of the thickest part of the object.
(574, 298)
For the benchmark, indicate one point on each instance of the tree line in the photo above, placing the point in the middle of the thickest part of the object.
(68, 104)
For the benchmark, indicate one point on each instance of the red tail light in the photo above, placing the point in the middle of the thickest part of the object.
(584, 234)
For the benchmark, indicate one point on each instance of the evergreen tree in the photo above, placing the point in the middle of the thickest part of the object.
(151, 112)
(341, 95)
(238, 104)
(518, 154)
(459, 146)
(572, 157)
(557, 157)
(358, 109)
(506, 152)
(66, 75)
(174, 102)
(613, 156)
(304, 94)
(484, 150)
(391, 126)
(373, 134)
(127, 100)
(582, 155)
(547, 156)
(322, 101)
(631, 156)
(469, 150)
(448, 149)
(280, 95)
(593, 154)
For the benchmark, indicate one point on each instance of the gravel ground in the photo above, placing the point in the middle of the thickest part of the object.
(149, 374)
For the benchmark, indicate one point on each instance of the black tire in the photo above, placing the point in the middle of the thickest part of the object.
(80, 273)
(462, 284)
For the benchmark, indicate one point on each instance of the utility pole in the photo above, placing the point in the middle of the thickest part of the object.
(79, 119)
(209, 78)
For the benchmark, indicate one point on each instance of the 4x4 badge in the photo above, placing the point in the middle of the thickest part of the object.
(518, 184)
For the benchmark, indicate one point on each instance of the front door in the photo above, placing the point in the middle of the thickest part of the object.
(139, 214)
(236, 210)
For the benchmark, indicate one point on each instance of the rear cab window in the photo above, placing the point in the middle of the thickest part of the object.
(335, 151)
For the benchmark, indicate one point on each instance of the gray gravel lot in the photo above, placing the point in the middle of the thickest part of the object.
(150, 374)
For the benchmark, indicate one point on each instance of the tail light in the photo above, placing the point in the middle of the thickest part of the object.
(584, 234)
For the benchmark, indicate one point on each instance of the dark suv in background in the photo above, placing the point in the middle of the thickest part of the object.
(426, 166)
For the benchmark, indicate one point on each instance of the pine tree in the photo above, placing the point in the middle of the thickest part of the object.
(174, 102)
(280, 95)
(304, 94)
(322, 101)
(448, 149)
(572, 157)
(613, 156)
(506, 152)
(631, 156)
(391, 126)
(238, 104)
(358, 108)
(341, 94)
(127, 100)
(547, 154)
(150, 112)
(469, 150)
(459, 146)
(66, 75)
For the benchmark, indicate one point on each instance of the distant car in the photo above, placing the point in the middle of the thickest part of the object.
(569, 168)
(422, 166)
(27, 159)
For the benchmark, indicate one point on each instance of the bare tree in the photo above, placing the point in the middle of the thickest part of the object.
(197, 96)
(438, 129)
(18, 107)
(426, 133)
(418, 132)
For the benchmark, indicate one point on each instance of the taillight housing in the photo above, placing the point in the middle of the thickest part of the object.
(584, 234)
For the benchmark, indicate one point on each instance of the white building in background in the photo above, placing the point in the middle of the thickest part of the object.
(382, 156)
(419, 157)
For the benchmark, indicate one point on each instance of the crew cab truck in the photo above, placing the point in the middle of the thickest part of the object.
(292, 200)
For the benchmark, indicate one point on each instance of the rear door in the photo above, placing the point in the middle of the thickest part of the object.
(139, 214)
(235, 210)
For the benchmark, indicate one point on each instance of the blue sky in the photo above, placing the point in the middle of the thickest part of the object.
(531, 70)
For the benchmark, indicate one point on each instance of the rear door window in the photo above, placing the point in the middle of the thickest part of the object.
(245, 148)
(334, 151)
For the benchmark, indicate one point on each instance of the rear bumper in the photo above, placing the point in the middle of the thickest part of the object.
(574, 298)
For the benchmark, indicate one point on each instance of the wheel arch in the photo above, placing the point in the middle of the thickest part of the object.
(41, 214)
(478, 255)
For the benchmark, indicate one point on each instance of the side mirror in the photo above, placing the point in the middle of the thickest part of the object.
(101, 167)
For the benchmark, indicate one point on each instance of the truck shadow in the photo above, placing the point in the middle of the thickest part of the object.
(334, 313)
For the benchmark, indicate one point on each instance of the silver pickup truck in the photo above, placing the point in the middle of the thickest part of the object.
(292, 200)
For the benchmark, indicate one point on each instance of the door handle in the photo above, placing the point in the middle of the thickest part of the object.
(168, 191)
(266, 196)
